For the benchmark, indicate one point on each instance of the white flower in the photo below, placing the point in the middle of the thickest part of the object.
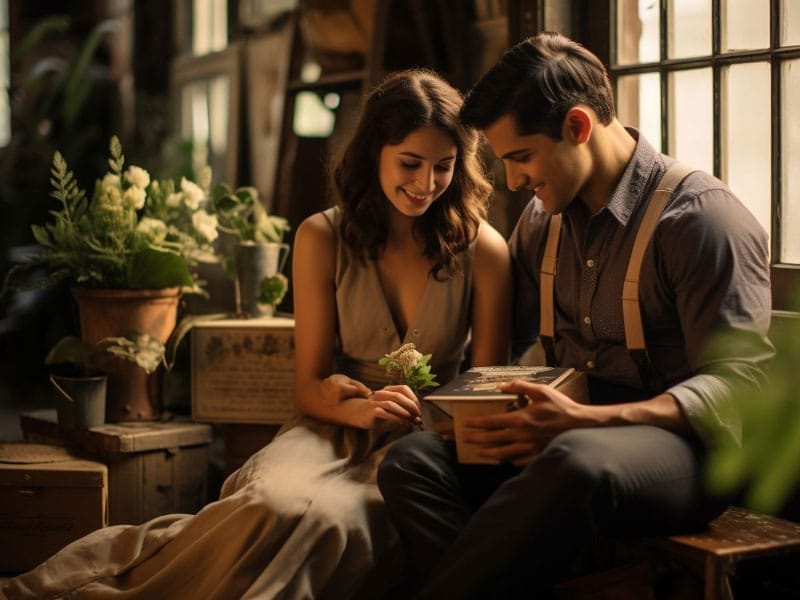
(112, 197)
(407, 365)
(137, 177)
(205, 224)
(174, 200)
(193, 194)
(134, 197)
(110, 182)
(406, 357)
(155, 229)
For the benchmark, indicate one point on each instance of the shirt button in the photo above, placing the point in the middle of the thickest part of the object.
(415, 333)
(590, 263)
(587, 320)
(590, 364)
(385, 330)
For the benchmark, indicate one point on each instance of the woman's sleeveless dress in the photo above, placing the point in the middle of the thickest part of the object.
(303, 517)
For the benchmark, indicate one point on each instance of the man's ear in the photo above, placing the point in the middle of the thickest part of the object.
(577, 125)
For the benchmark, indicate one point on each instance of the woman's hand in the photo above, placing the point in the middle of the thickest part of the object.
(337, 388)
(392, 404)
(366, 409)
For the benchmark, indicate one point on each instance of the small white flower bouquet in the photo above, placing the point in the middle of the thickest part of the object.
(409, 366)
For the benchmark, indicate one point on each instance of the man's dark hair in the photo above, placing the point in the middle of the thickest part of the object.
(538, 81)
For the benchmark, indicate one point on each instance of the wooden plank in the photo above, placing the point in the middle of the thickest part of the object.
(119, 437)
(739, 532)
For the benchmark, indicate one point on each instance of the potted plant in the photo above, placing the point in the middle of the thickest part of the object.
(78, 372)
(259, 253)
(129, 251)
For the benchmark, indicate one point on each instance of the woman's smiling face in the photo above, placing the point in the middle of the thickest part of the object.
(418, 170)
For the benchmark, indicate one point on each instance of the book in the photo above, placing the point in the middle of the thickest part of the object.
(475, 392)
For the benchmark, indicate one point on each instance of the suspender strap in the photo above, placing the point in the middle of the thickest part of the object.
(631, 309)
(547, 274)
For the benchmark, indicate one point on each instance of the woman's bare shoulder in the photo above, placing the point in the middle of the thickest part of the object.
(315, 231)
(490, 241)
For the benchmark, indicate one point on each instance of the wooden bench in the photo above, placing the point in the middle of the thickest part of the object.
(713, 554)
(691, 566)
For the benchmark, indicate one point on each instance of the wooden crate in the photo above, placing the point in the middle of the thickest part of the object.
(154, 468)
(243, 370)
(48, 498)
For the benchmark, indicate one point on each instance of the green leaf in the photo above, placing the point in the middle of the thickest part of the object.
(55, 23)
(273, 289)
(78, 84)
(153, 269)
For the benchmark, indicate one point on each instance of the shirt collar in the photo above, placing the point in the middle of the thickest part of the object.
(630, 190)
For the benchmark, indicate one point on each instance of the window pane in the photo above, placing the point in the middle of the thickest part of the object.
(205, 112)
(691, 118)
(746, 127)
(689, 28)
(312, 117)
(218, 111)
(195, 125)
(790, 157)
(637, 31)
(209, 26)
(639, 105)
(790, 22)
(745, 25)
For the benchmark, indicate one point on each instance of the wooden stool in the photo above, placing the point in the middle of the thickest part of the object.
(736, 535)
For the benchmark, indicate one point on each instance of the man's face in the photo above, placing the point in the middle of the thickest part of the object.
(554, 170)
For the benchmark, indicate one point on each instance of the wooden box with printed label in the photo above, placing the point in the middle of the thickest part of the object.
(48, 498)
(154, 467)
(243, 370)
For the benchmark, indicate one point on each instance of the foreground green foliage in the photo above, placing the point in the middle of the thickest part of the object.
(767, 464)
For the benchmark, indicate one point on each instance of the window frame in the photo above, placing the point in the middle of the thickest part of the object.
(187, 70)
(785, 277)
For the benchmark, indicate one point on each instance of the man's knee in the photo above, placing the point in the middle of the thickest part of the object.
(410, 456)
(578, 457)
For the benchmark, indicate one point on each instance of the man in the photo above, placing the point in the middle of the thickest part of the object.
(631, 462)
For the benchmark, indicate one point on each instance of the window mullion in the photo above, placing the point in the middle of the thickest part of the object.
(716, 78)
(775, 162)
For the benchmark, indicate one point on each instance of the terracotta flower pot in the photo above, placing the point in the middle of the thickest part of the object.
(133, 395)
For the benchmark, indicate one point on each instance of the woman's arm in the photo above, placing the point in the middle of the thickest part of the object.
(491, 299)
(319, 393)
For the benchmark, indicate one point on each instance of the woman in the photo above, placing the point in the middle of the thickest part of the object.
(405, 257)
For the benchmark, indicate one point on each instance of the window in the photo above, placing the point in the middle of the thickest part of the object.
(205, 87)
(714, 83)
(206, 92)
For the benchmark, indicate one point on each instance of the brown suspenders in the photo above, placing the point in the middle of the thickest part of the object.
(631, 310)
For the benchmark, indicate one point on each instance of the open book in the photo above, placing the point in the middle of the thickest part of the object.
(475, 392)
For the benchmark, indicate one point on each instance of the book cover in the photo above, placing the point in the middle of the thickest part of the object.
(475, 392)
(481, 383)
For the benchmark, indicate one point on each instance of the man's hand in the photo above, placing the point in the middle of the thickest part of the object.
(519, 436)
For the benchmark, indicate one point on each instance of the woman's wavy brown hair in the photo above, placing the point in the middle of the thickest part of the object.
(400, 104)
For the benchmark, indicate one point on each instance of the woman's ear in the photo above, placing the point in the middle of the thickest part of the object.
(577, 125)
